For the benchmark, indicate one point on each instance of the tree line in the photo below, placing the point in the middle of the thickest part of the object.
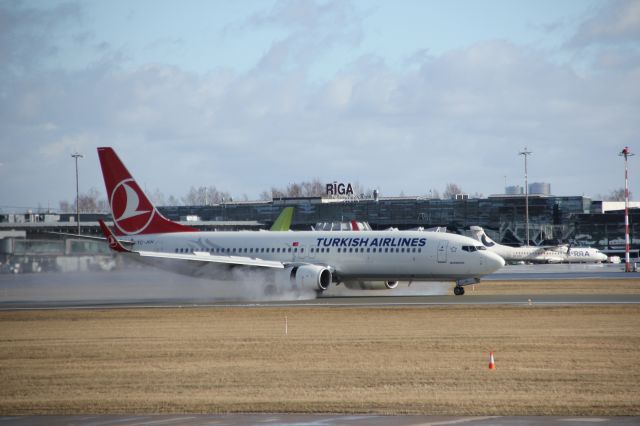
(94, 201)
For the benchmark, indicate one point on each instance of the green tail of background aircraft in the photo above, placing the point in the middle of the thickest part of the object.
(283, 222)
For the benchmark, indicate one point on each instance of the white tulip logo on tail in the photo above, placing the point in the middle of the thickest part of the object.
(112, 242)
(132, 212)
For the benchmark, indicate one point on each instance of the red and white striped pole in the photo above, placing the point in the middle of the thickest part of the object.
(626, 153)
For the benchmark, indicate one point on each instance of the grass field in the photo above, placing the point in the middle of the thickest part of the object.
(580, 360)
(542, 287)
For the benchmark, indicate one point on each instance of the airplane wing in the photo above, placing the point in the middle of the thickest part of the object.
(87, 237)
(204, 257)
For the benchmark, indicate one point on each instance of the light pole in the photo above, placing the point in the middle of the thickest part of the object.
(76, 156)
(526, 153)
(626, 152)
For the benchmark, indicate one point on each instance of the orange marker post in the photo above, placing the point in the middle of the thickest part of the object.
(492, 363)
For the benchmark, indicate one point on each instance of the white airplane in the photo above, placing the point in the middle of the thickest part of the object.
(556, 254)
(579, 254)
(305, 259)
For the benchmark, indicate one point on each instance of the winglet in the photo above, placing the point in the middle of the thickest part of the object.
(283, 222)
(114, 244)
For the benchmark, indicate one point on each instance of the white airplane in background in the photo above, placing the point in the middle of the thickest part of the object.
(556, 254)
(305, 259)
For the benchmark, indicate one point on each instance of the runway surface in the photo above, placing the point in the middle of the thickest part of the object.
(363, 301)
(153, 288)
(563, 271)
(311, 420)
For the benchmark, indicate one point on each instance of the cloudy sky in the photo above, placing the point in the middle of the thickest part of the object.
(402, 96)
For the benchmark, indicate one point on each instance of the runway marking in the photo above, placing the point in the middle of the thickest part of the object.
(523, 303)
(458, 421)
(179, 420)
(125, 420)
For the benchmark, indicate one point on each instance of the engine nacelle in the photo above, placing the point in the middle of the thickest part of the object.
(371, 285)
(391, 284)
(312, 276)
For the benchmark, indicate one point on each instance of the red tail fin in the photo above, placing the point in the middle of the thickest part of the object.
(114, 244)
(133, 213)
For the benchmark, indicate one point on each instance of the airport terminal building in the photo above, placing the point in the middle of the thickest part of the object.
(560, 218)
(31, 237)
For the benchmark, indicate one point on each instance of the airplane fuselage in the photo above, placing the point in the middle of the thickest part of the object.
(556, 254)
(580, 254)
(548, 255)
(527, 254)
(379, 255)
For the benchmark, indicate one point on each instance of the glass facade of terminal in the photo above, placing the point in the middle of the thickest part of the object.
(550, 217)
(606, 231)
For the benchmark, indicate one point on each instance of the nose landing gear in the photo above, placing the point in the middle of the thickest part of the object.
(458, 290)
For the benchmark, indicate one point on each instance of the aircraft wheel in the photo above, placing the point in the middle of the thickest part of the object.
(458, 291)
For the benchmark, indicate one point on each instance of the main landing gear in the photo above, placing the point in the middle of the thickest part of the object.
(458, 290)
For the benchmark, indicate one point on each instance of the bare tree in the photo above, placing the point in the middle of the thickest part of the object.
(451, 190)
(294, 190)
(64, 206)
(265, 196)
(275, 193)
(91, 201)
(313, 188)
(157, 198)
(360, 191)
(204, 196)
(615, 195)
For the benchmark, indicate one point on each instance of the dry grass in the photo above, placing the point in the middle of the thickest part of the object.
(550, 361)
(542, 287)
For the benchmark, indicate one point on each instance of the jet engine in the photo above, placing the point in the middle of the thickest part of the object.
(311, 276)
(371, 285)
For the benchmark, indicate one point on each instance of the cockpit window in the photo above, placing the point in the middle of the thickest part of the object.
(473, 248)
(469, 248)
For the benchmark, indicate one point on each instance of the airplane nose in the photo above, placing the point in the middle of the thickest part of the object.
(493, 262)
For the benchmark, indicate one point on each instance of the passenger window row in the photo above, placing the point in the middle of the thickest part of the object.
(243, 250)
(228, 251)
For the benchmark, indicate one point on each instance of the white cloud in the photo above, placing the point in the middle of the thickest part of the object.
(29, 35)
(457, 117)
(618, 21)
(311, 29)
(68, 145)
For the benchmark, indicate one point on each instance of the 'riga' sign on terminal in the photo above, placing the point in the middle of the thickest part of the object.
(336, 188)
